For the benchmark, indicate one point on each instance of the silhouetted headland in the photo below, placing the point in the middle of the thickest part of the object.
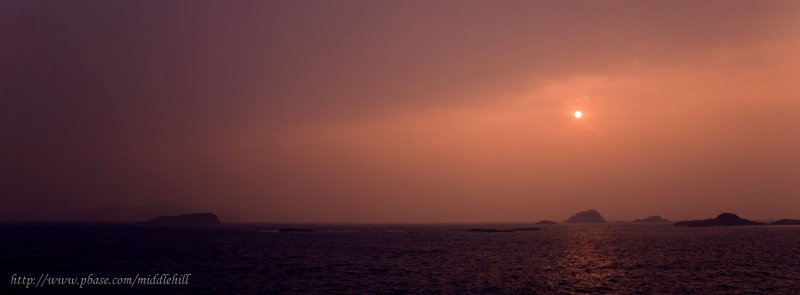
(655, 218)
(298, 230)
(724, 219)
(545, 222)
(588, 216)
(786, 222)
(195, 218)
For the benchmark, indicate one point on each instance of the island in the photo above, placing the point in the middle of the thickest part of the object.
(724, 219)
(786, 222)
(588, 216)
(126, 213)
(654, 218)
(194, 218)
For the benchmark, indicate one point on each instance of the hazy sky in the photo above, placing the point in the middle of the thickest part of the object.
(401, 111)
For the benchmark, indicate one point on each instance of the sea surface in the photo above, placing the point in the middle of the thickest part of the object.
(406, 259)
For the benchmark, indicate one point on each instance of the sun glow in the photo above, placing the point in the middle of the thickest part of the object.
(578, 114)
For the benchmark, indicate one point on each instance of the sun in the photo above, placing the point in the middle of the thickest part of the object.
(578, 114)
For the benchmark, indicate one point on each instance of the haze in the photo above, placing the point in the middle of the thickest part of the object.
(401, 111)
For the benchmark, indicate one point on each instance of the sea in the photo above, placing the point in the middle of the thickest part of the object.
(617, 258)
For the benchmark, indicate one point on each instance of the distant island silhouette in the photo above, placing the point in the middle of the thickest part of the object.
(786, 222)
(588, 216)
(654, 218)
(490, 230)
(494, 230)
(527, 229)
(125, 213)
(546, 222)
(195, 218)
(724, 219)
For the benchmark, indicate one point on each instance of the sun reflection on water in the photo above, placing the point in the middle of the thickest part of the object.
(583, 266)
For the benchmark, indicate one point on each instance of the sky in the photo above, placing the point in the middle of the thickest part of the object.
(401, 111)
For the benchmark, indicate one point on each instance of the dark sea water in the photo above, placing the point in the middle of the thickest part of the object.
(398, 259)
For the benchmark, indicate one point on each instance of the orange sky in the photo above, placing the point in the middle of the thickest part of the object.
(404, 111)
